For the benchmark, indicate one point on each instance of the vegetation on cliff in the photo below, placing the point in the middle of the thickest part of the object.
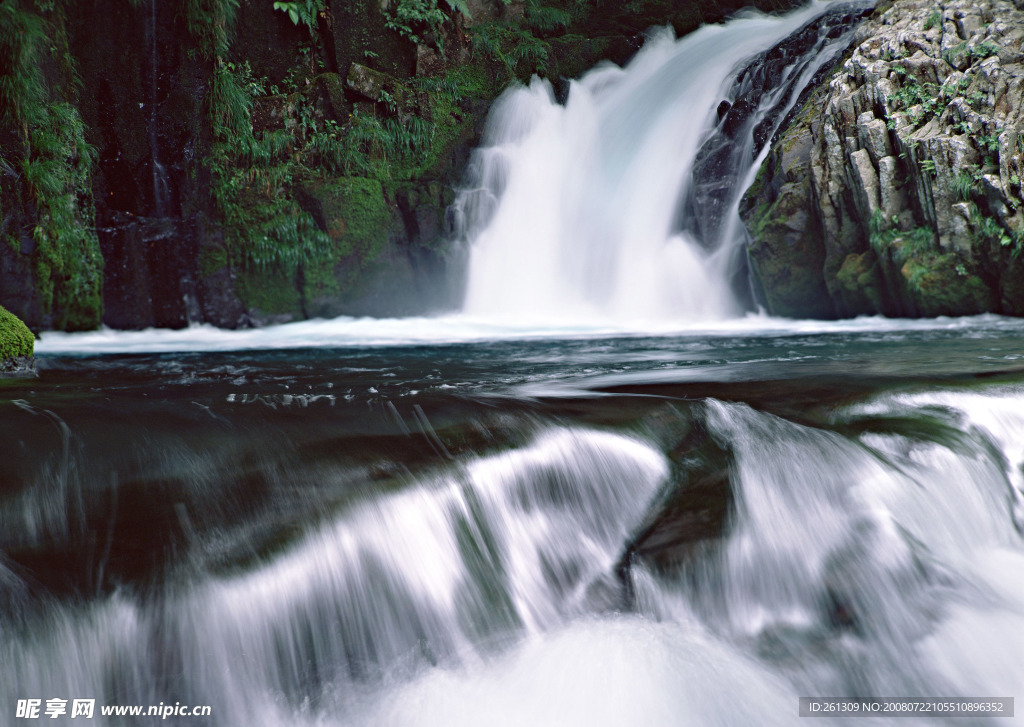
(47, 232)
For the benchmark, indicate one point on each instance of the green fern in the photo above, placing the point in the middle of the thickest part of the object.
(460, 6)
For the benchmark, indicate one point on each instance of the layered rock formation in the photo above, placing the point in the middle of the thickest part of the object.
(896, 189)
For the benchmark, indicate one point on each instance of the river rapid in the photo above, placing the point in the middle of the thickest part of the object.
(675, 529)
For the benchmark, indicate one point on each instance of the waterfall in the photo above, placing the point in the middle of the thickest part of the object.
(581, 212)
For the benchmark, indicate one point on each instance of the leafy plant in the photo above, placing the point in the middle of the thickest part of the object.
(988, 142)
(413, 19)
(886, 239)
(992, 232)
(302, 11)
(929, 98)
(511, 46)
(210, 24)
(963, 185)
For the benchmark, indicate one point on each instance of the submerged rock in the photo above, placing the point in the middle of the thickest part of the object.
(897, 188)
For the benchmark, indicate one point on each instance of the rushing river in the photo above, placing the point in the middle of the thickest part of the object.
(646, 530)
(601, 495)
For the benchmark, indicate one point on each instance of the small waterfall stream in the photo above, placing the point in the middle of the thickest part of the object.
(161, 184)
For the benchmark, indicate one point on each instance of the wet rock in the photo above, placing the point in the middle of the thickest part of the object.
(695, 512)
(786, 251)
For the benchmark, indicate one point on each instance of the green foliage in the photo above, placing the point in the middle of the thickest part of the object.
(48, 167)
(887, 239)
(976, 52)
(933, 20)
(229, 105)
(523, 47)
(413, 19)
(273, 187)
(15, 338)
(264, 227)
(512, 46)
(987, 142)
(24, 39)
(256, 177)
(384, 148)
(991, 232)
(302, 11)
(929, 98)
(67, 260)
(963, 185)
(210, 23)
(461, 6)
(545, 18)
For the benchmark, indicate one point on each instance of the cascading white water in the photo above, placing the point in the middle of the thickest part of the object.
(571, 211)
(876, 564)
(517, 543)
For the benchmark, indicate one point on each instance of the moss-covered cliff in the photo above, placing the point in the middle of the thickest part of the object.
(897, 188)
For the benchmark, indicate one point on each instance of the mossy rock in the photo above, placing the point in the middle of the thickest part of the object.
(16, 344)
(787, 257)
(352, 211)
(269, 296)
(859, 285)
(358, 218)
(940, 285)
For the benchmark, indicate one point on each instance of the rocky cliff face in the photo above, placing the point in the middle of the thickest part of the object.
(897, 187)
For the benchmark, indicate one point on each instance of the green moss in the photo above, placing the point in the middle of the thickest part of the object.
(940, 285)
(358, 219)
(212, 259)
(764, 218)
(15, 338)
(859, 284)
(268, 292)
(357, 210)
